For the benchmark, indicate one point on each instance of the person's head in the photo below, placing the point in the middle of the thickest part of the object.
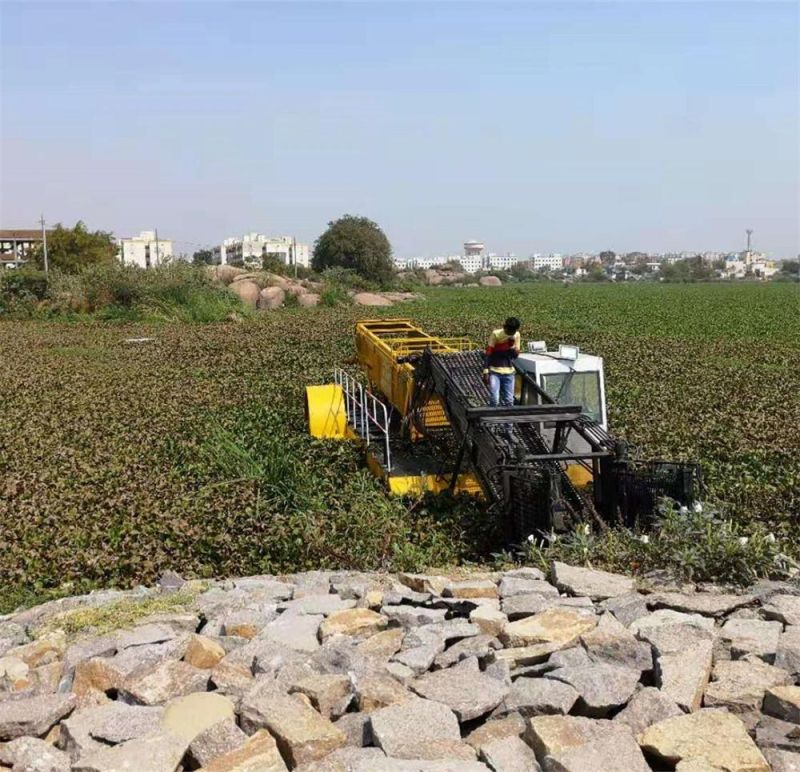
(511, 325)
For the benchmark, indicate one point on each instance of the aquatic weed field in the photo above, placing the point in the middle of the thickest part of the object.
(118, 460)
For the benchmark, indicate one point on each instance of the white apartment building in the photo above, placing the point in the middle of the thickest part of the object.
(504, 262)
(553, 262)
(145, 250)
(251, 248)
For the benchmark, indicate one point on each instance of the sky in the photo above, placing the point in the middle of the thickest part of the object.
(532, 126)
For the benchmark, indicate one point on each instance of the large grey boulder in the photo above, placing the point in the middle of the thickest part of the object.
(510, 754)
(298, 632)
(467, 691)
(479, 646)
(642, 627)
(413, 616)
(217, 740)
(162, 751)
(33, 715)
(611, 643)
(403, 731)
(713, 604)
(752, 636)
(538, 696)
(787, 654)
(783, 608)
(601, 688)
(626, 608)
(516, 585)
(30, 754)
(597, 585)
(647, 707)
(316, 604)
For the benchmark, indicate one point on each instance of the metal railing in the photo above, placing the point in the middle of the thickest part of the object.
(366, 414)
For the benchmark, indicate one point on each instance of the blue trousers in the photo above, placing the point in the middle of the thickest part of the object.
(501, 389)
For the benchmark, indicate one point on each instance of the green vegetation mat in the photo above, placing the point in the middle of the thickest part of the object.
(118, 460)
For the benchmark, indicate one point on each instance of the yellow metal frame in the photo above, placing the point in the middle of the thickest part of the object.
(325, 412)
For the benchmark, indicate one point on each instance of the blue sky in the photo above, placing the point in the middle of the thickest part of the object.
(532, 126)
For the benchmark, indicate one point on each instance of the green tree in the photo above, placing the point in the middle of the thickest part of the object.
(521, 271)
(608, 256)
(358, 244)
(70, 249)
(790, 267)
(203, 257)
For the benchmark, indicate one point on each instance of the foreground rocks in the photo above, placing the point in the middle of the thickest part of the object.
(577, 671)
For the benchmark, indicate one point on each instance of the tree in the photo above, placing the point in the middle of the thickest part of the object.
(203, 257)
(790, 267)
(607, 257)
(70, 249)
(355, 243)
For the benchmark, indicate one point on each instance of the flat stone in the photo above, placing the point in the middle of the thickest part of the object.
(467, 691)
(706, 603)
(647, 707)
(510, 754)
(420, 658)
(597, 585)
(526, 572)
(683, 656)
(163, 681)
(626, 608)
(352, 621)
(15, 675)
(259, 753)
(782, 761)
(303, 735)
(774, 733)
(550, 626)
(714, 736)
(33, 715)
(356, 727)
(611, 643)
(512, 725)
(231, 678)
(144, 634)
(344, 760)
(519, 606)
(30, 754)
(601, 688)
(574, 657)
(454, 764)
(404, 595)
(163, 751)
(203, 653)
(518, 656)
(415, 729)
(787, 655)
(752, 636)
(380, 691)
(424, 583)
(536, 697)
(49, 648)
(265, 588)
(412, 616)
(298, 632)
(448, 630)
(513, 585)
(330, 694)
(247, 622)
(783, 702)
(382, 644)
(81, 651)
(490, 621)
(668, 618)
(740, 685)
(783, 608)
(215, 741)
(189, 716)
(316, 604)
(575, 744)
(478, 646)
(90, 729)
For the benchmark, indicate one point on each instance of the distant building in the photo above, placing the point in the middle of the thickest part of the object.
(552, 262)
(16, 246)
(252, 248)
(145, 250)
(504, 262)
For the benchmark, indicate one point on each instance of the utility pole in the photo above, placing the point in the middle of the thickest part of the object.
(294, 255)
(158, 257)
(44, 245)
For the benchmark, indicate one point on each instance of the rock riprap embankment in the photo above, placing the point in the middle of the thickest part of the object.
(576, 671)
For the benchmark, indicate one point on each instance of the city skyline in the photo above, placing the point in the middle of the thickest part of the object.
(568, 127)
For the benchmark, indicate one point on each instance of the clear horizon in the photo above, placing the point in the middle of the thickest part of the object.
(533, 127)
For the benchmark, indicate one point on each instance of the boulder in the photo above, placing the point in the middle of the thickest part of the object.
(774, 733)
(575, 744)
(30, 754)
(145, 634)
(374, 692)
(356, 727)
(752, 636)
(248, 292)
(783, 702)
(626, 608)
(382, 644)
(345, 759)
(713, 604)
(215, 741)
(612, 644)
(329, 693)
(787, 655)
(162, 750)
(474, 588)
(33, 715)
(714, 736)
(189, 716)
(163, 681)
(489, 620)
(782, 761)
(647, 707)
(296, 631)
(49, 648)
(512, 725)
(520, 656)
(478, 646)
(352, 621)
(510, 753)
(424, 582)
(525, 585)
(370, 299)
(597, 585)
(783, 608)
(668, 618)
(308, 299)
(519, 606)
(270, 297)
(601, 688)
(553, 625)
(258, 753)
(203, 653)
(411, 616)
(536, 697)
(489, 281)
(467, 691)
(416, 729)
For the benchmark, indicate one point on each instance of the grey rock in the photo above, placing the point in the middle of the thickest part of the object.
(626, 608)
(783, 608)
(262, 655)
(30, 754)
(402, 730)
(101, 646)
(752, 636)
(526, 572)
(405, 596)
(145, 634)
(601, 688)
(647, 707)
(612, 644)
(597, 585)
(344, 760)
(774, 733)
(537, 696)
(683, 656)
(163, 681)
(574, 657)
(412, 616)
(511, 585)
(479, 646)
(169, 581)
(449, 629)
(295, 632)
(787, 655)
(782, 761)
(33, 715)
(265, 588)
(713, 604)
(220, 738)
(316, 604)
(467, 691)
(160, 752)
(418, 765)
(243, 622)
(310, 583)
(519, 606)
(665, 617)
(356, 727)
(509, 754)
(11, 635)
(783, 702)
(420, 658)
